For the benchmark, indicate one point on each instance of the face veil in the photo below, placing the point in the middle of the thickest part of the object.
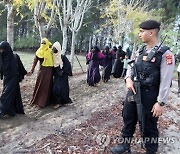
(8, 65)
(45, 52)
(57, 54)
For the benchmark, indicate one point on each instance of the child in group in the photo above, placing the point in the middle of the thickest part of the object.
(125, 65)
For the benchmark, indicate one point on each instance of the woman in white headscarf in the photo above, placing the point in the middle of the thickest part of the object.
(62, 69)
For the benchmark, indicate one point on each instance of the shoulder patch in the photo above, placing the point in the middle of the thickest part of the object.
(168, 59)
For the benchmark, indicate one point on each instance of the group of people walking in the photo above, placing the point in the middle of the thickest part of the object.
(153, 69)
(114, 62)
(52, 86)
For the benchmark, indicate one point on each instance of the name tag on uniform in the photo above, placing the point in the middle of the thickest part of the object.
(168, 59)
(145, 59)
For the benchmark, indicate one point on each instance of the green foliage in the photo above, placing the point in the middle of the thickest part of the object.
(171, 9)
(91, 22)
(3, 31)
(101, 17)
(56, 35)
(125, 18)
(172, 34)
(18, 2)
(3, 34)
(27, 42)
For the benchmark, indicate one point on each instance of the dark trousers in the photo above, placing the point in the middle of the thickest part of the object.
(124, 72)
(179, 82)
(149, 98)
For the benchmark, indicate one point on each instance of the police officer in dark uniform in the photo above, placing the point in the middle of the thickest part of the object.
(155, 77)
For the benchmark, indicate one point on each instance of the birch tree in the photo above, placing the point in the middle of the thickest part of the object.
(43, 20)
(65, 18)
(81, 8)
(40, 7)
(11, 11)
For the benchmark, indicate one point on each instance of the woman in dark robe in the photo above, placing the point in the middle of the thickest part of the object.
(128, 52)
(118, 64)
(95, 58)
(12, 72)
(107, 64)
(43, 87)
(113, 51)
(87, 60)
(62, 69)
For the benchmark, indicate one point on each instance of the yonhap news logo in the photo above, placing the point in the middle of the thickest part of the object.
(104, 140)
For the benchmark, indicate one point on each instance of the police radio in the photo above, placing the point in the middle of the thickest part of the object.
(154, 50)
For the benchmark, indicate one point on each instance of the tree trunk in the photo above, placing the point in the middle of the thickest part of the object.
(86, 44)
(80, 45)
(96, 40)
(73, 48)
(10, 25)
(64, 44)
(90, 42)
(122, 41)
(101, 42)
(42, 30)
(27, 30)
(40, 21)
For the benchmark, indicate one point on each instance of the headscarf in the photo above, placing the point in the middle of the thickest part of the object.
(107, 48)
(120, 47)
(57, 56)
(8, 65)
(45, 52)
(114, 48)
(95, 52)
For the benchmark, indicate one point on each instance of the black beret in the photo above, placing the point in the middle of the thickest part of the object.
(150, 24)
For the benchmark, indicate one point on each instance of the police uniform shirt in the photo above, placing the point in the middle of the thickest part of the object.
(166, 71)
(178, 69)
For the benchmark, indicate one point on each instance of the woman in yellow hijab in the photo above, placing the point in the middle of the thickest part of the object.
(43, 87)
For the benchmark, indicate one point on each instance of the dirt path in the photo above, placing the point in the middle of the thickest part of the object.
(91, 124)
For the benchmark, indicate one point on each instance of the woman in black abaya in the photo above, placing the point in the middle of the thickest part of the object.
(11, 69)
(62, 70)
(117, 68)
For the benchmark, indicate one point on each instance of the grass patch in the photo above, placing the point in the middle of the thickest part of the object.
(28, 57)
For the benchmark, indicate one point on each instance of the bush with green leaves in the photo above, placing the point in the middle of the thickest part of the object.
(30, 42)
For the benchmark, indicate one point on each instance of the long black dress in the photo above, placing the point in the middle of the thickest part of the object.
(117, 68)
(12, 72)
(107, 66)
(60, 90)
